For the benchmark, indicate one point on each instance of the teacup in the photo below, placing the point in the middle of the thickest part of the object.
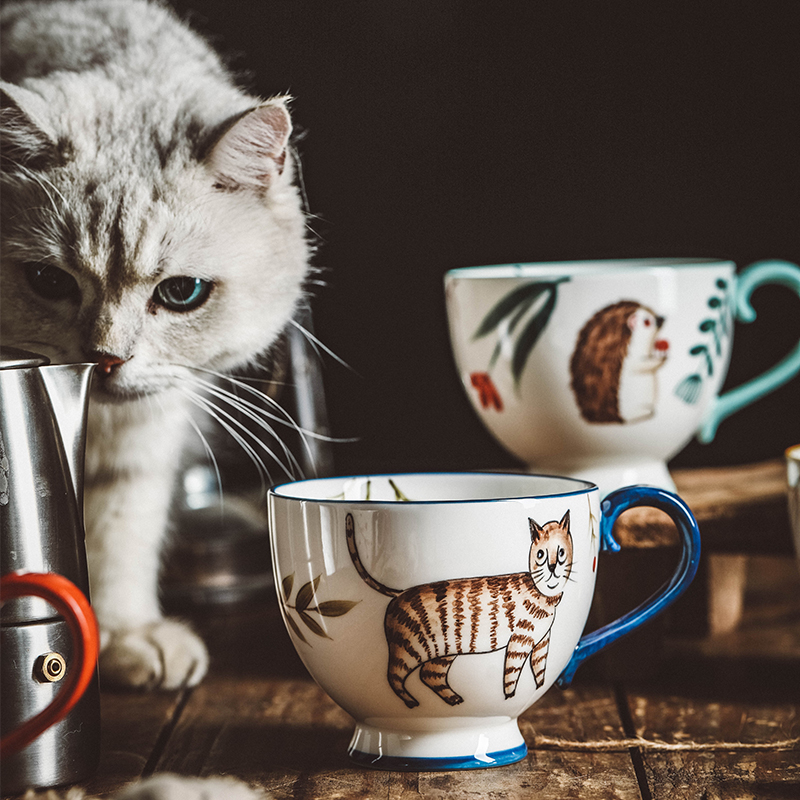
(436, 608)
(793, 483)
(606, 369)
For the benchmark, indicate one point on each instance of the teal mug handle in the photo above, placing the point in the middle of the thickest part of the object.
(610, 509)
(782, 273)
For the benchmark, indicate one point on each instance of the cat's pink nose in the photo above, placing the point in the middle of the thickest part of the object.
(107, 363)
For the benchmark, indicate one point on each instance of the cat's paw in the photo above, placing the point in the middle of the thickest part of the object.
(165, 654)
(175, 787)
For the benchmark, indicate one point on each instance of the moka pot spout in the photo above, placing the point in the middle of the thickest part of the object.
(68, 387)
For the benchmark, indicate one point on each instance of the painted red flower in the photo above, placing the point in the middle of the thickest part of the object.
(487, 391)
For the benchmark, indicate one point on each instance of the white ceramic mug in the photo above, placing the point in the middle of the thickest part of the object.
(606, 369)
(793, 485)
(436, 608)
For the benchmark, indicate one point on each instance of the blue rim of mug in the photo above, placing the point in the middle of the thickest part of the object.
(414, 764)
(585, 267)
(585, 488)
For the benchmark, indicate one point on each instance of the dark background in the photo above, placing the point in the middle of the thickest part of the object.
(441, 134)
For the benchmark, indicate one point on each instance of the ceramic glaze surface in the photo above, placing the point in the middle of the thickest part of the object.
(793, 486)
(435, 609)
(605, 369)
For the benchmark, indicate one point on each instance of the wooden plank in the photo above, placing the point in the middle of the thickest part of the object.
(259, 717)
(718, 773)
(739, 509)
(132, 725)
(584, 713)
(742, 687)
(289, 738)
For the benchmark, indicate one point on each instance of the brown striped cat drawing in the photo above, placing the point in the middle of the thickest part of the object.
(428, 626)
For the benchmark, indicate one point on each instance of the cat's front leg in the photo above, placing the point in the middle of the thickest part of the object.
(130, 479)
(517, 653)
(167, 786)
(539, 659)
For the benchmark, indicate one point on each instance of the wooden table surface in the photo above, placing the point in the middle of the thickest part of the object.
(714, 719)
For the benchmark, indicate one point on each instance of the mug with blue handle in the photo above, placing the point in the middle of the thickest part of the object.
(436, 608)
(605, 370)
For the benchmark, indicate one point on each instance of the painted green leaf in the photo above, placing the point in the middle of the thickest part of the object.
(722, 283)
(697, 349)
(707, 325)
(336, 608)
(286, 587)
(398, 494)
(306, 594)
(521, 311)
(530, 335)
(525, 294)
(313, 625)
(714, 302)
(297, 632)
(689, 389)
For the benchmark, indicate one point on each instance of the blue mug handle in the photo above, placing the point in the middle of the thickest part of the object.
(610, 508)
(783, 273)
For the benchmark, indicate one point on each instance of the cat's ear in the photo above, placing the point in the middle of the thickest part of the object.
(26, 138)
(536, 530)
(251, 153)
(564, 524)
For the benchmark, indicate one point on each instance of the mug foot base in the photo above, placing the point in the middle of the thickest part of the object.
(408, 764)
(425, 751)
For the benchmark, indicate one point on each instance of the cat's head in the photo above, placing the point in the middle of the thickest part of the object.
(550, 558)
(148, 242)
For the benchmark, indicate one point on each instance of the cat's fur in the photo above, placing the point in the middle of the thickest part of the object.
(428, 626)
(166, 786)
(130, 158)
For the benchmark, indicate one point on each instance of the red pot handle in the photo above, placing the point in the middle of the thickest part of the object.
(72, 604)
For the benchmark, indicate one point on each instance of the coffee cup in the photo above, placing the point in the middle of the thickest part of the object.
(436, 608)
(606, 369)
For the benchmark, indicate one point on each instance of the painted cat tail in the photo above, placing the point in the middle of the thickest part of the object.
(350, 528)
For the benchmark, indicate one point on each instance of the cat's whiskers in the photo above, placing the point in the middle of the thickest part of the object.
(215, 396)
(211, 457)
(316, 343)
(47, 187)
(250, 410)
(233, 427)
(285, 419)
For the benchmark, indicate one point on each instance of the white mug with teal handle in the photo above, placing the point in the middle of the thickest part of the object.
(607, 369)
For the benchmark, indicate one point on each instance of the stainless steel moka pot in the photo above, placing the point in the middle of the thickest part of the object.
(42, 436)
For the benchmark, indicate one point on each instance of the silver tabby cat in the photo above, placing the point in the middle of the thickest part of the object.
(150, 223)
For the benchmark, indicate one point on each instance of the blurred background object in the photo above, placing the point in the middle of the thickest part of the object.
(446, 134)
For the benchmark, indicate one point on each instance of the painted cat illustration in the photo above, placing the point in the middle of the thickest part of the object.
(427, 626)
(614, 364)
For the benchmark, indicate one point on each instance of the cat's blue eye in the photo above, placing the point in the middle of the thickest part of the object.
(562, 555)
(182, 293)
(52, 283)
(540, 555)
